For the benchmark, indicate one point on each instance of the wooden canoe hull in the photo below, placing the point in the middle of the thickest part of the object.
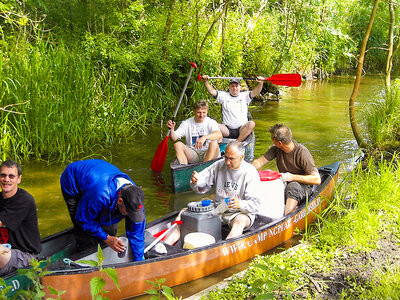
(197, 263)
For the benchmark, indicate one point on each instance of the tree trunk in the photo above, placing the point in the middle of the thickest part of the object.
(389, 61)
(354, 127)
(167, 29)
(215, 21)
(221, 48)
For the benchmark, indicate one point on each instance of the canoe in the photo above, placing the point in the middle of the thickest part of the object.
(182, 173)
(182, 265)
(54, 247)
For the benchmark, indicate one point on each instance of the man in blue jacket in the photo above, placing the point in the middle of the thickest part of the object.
(98, 196)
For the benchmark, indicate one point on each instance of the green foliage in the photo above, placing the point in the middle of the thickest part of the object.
(97, 284)
(160, 290)
(34, 274)
(383, 121)
(86, 74)
(364, 209)
(266, 288)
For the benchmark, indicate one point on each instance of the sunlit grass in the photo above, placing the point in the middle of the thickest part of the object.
(383, 120)
(365, 208)
(69, 107)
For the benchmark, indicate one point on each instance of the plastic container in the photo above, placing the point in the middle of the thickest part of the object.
(197, 239)
(268, 175)
(222, 207)
(200, 218)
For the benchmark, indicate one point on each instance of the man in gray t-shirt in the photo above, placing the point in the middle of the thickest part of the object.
(296, 164)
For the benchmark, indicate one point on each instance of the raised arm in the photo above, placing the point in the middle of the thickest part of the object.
(257, 90)
(210, 89)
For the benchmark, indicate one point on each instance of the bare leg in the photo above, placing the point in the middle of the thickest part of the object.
(175, 234)
(212, 152)
(245, 130)
(238, 225)
(290, 205)
(224, 130)
(5, 255)
(183, 153)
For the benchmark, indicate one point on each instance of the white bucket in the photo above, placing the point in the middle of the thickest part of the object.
(194, 240)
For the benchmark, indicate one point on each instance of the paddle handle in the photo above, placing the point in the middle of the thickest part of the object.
(193, 65)
(277, 79)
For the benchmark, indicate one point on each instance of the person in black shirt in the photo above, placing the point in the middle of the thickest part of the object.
(18, 221)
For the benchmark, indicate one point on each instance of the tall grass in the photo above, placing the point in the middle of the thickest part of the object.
(68, 106)
(364, 210)
(383, 121)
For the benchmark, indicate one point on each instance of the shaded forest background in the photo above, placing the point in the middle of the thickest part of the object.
(76, 75)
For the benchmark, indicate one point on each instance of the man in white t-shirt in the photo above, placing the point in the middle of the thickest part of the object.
(201, 134)
(235, 123)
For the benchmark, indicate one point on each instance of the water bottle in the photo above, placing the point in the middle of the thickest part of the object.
(123, 253)
(201, 183)
(222, 207)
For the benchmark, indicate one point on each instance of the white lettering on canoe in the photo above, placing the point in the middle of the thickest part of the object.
(262, 236)
(14, 284)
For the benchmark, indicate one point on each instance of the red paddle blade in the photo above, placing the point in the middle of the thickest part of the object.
(285, 79)
(159, 157)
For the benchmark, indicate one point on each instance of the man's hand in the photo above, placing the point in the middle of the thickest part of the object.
(171, 124)
(287, 177)
(194, 178)
(234, 203)
(200, 142)
(260, 79)
(115, 243)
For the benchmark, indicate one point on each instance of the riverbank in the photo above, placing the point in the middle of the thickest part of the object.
(352, 252)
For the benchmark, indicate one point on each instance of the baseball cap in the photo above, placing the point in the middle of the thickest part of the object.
(234, 80)
(133, 197)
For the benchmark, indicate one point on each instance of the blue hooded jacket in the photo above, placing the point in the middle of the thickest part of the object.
(95, 182)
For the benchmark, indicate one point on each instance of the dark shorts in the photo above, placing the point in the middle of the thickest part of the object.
(18, 260)
(233, 133)
(298, 191)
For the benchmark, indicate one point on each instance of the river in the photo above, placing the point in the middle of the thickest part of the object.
(317, 113)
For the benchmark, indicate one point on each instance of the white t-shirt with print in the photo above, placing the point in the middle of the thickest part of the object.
(234, 108)
(192, 130)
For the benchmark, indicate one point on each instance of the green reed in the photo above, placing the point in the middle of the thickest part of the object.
(65, 106)
(365, 209)
(383, 120)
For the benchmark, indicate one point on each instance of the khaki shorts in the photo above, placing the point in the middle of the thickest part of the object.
(198, 155)
(227, 217)
(18, 260)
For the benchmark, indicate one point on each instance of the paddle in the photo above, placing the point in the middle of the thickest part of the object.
(161, 153)
(162, 234)
(277, 79)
